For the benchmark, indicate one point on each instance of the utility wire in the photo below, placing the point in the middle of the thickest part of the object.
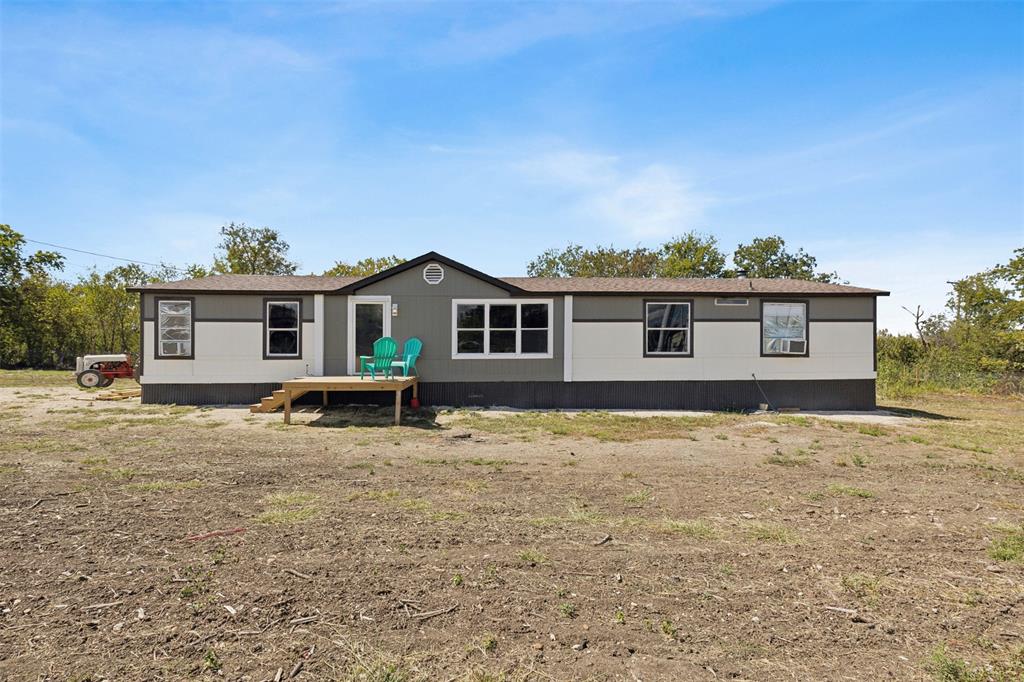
(103, 255)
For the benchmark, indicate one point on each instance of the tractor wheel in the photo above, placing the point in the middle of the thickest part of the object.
(107, 381)
(90, 378)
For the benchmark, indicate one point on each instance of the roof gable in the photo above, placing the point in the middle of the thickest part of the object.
(431, 256)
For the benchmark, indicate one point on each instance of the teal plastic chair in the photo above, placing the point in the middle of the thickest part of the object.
(410, 352)
(384, 350)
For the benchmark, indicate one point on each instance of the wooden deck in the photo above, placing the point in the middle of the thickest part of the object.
(293, 388)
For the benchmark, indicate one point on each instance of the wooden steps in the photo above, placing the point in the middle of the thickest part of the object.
(274, 401)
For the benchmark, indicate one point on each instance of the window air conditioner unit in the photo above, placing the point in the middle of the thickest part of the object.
(793, 346)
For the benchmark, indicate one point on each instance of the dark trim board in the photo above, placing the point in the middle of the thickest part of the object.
(231, 319)
(807, 394)
(639, 321)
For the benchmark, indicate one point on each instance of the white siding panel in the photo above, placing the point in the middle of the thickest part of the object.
(613, 351)
(227, 352)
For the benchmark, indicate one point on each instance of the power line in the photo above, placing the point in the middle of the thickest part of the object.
(103, 255)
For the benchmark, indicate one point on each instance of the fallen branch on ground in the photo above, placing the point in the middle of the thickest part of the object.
(839, 609)
(430, 614)
(101, 606)
(215, 534)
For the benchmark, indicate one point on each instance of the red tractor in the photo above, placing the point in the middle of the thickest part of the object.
(101, 370)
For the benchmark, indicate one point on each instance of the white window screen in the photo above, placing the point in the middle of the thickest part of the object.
(784, 330)
(174, 329)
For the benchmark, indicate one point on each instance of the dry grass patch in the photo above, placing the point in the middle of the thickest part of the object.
(285, 508)
(841, 489)
(533, 557)
(378, 495)
(862, 586)
(163, 486)
(602, 426)
(1009, 547)
(797, 459)
(639, 497)
(36, 378)
(766, 532)
(692, 528)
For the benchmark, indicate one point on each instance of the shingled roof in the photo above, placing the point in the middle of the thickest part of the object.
(257, 284)
(624, 286)
(664, 285)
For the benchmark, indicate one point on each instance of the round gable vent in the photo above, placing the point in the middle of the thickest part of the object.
(433, 274)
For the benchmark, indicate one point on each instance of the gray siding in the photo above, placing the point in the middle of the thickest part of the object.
(704, 308)
(607, 308)
(228, 307)
(425, 311)
(335, 335)
(630, 308)
(840, 309)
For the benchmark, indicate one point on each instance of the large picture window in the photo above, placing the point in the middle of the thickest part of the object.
(784, 328)
(667, 328)
(282, 328)
(501, 329)
(174, 329)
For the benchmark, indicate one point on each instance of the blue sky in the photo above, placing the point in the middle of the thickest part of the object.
(886, 139)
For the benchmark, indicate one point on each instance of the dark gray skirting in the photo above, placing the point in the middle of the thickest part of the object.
(818, 394)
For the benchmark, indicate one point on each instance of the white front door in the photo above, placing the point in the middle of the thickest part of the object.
(369, 318)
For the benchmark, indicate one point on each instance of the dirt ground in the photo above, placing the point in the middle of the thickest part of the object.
(150, 542)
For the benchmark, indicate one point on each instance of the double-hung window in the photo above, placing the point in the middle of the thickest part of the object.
(784, 328)
(174, 329)
(501, 329)
(283, 323)
(667, 326)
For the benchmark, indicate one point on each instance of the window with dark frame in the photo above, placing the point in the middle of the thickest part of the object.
(174, 329)
(515, 329)
(282, 329)
(667, 328)
(784, 328)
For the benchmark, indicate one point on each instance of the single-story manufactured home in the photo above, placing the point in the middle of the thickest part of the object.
(530, 342)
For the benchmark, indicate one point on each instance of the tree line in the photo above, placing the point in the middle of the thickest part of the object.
(46, 320)
(689, 255)
(976, 342)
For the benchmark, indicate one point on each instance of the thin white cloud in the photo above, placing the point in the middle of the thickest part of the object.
(467, 42)
(915, 267)
(653, 200)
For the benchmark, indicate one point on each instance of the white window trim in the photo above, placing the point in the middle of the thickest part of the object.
(297, 329)
(688, 329)
(517, 302)
(350, 332)
(191, 328)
